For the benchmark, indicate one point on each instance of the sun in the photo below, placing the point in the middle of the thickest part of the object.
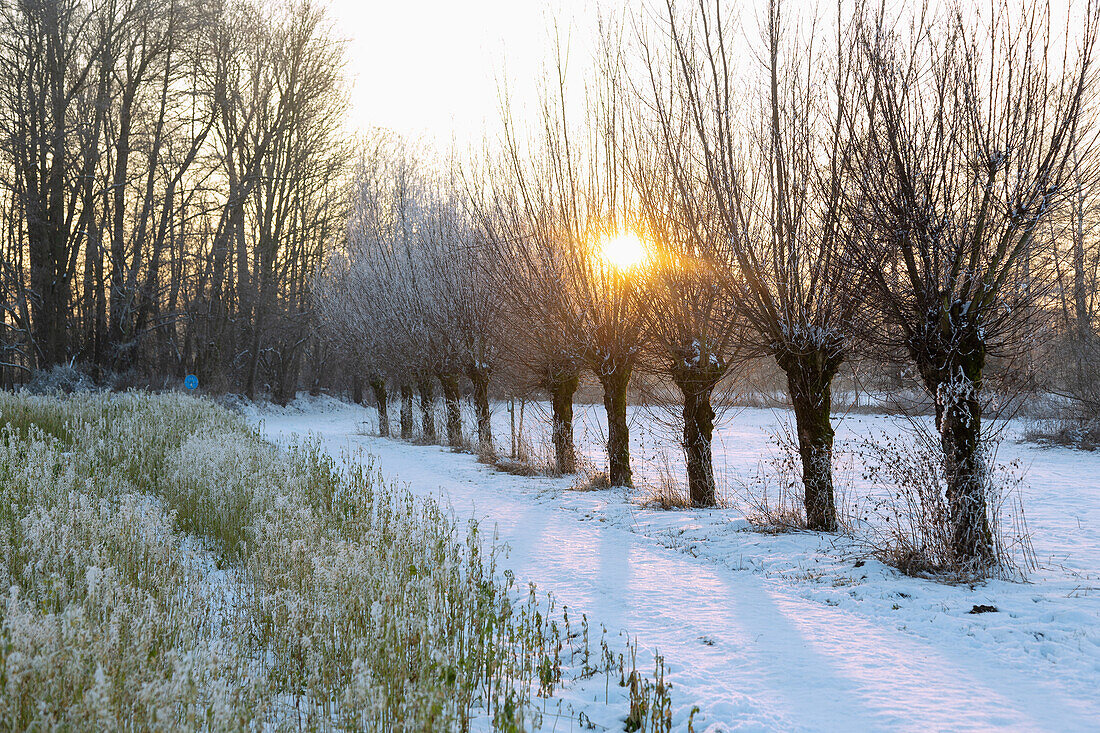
(623, 251)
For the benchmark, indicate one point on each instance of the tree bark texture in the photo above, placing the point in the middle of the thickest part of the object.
(561, 390)
(810, 375)
(452, 397)
(381, 401)
(618, 429)
(427, 409)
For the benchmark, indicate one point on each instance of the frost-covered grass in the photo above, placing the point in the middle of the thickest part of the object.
(167, 568)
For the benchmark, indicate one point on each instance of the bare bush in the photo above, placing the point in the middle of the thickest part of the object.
(772, 499)
(769, 499)
(909, 526)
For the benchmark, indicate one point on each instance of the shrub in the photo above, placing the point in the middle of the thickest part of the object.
(907, 525)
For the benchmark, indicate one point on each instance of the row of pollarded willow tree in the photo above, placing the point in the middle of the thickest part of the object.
(855, 181)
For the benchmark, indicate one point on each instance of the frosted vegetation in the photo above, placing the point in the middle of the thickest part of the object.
(168, 569)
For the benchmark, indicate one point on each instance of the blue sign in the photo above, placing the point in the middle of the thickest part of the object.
(191, 381)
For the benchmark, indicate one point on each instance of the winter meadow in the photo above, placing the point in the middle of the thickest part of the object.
(588, 365)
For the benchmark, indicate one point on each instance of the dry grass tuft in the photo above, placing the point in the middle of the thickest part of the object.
(771, 500)
(667, 493)
(529, 460)
(664, 496)
(592, 481)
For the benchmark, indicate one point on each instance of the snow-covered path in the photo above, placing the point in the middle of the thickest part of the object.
(746, 647)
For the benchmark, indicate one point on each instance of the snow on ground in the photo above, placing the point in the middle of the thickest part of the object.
(782, 632)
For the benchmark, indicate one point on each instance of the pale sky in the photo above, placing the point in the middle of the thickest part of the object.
(433, 67)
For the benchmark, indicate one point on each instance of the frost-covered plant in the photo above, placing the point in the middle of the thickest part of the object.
(165, 568)
(109, 620)
(909, 525)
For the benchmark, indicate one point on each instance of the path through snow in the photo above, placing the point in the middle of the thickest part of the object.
(763, 633)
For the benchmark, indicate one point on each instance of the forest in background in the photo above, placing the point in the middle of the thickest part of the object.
(173, 172)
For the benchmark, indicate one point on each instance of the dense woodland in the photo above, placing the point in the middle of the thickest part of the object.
(173, 172)
(902, 198)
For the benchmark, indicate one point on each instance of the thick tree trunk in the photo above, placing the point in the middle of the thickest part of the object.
(356, 388)
(50, 287)
(697, 385)
(406, 412)
(951, 368)
(698, 432)
(427, 409)
(381, 401)
(452, 396)
(618, 430)
(815, 446)
(561, 391)
(480, 379)
(960, 424)
(809, 382)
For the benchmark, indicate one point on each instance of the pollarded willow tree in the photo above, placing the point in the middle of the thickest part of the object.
(366, 295)
(567, 253)
(977, 128)
(405, 299)
(543, 346)
(695, 331)
(608, 260)
(575, 190)
(775, 169)
(461, 304)
(521, 200)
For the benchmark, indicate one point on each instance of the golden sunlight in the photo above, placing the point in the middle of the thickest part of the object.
(623, 251)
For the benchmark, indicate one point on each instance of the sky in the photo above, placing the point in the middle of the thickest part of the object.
(433, 68)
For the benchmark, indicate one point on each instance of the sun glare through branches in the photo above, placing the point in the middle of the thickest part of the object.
(624, 251)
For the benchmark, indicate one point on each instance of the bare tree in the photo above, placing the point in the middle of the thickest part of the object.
(696, 332)
(774, 168)
(519, 213)
(50, 58)
(977, 126)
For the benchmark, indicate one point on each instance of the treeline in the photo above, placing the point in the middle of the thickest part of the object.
(171, 173)
(909, 187)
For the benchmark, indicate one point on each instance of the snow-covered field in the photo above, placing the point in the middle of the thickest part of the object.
(794, 631)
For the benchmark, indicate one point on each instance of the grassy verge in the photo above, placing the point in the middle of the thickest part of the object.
(169, 569)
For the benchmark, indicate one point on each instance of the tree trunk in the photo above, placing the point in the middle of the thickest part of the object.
(698, 431)
(452, 402)
(960, 424)
(356, 388)
(809, 382)
(50, 288)
(951, 368)
(381, 401)
(697, 385)
(561, 391)
(480, 378)
(618, 430)
(406, 412)
(427, 409)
